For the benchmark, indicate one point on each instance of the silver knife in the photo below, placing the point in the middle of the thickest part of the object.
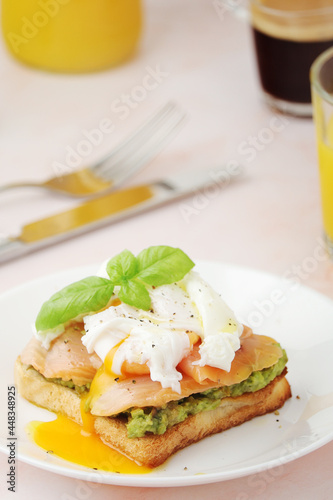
(114, 207)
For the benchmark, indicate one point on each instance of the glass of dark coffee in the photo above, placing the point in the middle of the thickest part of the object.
(288, 36)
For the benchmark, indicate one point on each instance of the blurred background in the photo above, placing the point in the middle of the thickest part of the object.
(198, 55)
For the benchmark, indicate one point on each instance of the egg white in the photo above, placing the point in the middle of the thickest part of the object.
(158, 337)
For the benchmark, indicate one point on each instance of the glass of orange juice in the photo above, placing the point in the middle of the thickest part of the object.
(71, 35)
(321, 76)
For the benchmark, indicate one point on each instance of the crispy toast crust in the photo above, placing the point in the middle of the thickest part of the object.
(152, 450)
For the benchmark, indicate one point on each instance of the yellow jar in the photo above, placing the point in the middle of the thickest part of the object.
(71, 35)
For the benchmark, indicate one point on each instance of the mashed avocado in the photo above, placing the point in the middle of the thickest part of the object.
(69, 383)
(158, 420)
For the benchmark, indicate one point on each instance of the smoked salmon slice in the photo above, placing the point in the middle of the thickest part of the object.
(255, 353)
(67, 357)
(110, 394)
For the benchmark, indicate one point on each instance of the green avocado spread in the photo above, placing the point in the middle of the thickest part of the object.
(70, 384)
(158, 420)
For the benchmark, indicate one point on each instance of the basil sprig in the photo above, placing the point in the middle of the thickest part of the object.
(154, 266)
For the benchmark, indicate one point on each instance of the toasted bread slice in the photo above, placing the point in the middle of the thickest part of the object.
(152, 450)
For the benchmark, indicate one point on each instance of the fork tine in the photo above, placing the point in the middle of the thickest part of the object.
(125, 167)
(150, 142)
(128, 157)
(159, 126)
(143, 130)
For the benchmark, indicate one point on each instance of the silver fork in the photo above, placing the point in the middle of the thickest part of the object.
(127, 158)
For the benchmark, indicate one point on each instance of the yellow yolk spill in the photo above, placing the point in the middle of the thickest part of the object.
(101, 381)
(115, 302)
(66, 439)
(88, 420)
(79, 444)
(109, 360)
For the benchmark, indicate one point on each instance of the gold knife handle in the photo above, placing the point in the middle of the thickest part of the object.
(87, 214)
(85, 217)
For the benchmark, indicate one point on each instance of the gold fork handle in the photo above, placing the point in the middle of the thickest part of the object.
(80, 183)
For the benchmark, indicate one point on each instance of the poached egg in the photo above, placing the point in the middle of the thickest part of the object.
(163, 336)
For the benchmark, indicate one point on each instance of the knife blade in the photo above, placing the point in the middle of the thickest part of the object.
(113, 207)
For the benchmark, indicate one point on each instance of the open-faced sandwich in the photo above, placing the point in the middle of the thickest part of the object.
(153, 354)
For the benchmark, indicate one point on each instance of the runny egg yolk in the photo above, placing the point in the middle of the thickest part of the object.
(80, 445)
(109, 360)
(88, 419)
(65, 439)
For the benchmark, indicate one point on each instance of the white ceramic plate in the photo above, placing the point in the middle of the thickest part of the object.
(299, 318)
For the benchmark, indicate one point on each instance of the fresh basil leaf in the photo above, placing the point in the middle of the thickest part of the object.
(122, 266)
(88, 295)
(135, 294)
(162, 265)
(155, 266)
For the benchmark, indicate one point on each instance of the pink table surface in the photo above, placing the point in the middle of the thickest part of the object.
(270, 220)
